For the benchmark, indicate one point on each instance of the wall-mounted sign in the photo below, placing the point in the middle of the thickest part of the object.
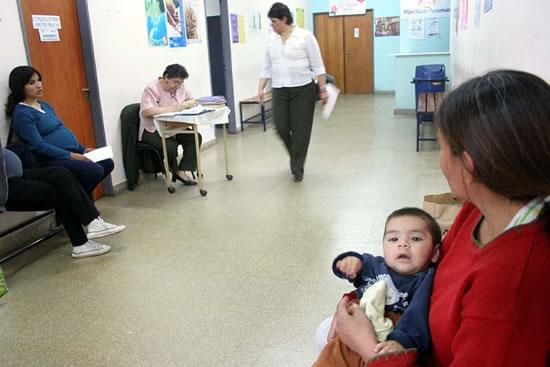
(346, 7)
(48, 27)
(46, 21)
(425, 9)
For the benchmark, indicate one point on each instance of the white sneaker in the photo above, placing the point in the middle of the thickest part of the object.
(90, 248)
(99, 228)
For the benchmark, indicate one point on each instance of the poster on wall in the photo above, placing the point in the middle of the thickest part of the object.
(432, 28)
(425, 9)
(175, 23)
(241, 26)
(234, 28)
(254, 21)
(386, 26)
(477, 13)
(156, 23)
(192, 17)
(300, 17)
(464, 14)
(346, 7)
(416, 28)
(487, 5)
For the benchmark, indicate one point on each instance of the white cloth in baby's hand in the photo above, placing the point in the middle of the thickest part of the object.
(374, 303)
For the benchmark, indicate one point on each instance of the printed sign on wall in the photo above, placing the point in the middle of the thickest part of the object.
(346, 7)
(425, 9)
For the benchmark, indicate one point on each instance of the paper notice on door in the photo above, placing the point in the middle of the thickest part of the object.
(49, 35)
(100, 154)
(332, 93)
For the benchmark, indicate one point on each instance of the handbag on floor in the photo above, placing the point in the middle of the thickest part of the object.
(3, 285)
(443, 207)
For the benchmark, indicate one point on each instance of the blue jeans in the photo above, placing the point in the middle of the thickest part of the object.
(88, 173)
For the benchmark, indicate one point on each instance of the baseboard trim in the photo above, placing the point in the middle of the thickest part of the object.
(404, 111)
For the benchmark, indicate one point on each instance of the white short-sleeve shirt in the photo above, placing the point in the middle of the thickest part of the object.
(292, 63)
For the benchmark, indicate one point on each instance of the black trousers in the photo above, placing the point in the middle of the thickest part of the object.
(293, 109)
(53, 188)
(187, 141)
(88, 173)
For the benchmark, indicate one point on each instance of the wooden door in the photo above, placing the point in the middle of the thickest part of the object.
(329, 32)
(62, 67)
(358, 55)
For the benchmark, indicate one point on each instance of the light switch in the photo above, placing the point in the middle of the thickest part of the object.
(356, 32)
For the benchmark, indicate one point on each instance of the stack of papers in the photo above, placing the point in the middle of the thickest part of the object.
(100, 154)
(197, 110)
(211, 100)
(333, 93)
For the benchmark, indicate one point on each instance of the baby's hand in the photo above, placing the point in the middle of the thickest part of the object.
(350, 266)
(388, 347)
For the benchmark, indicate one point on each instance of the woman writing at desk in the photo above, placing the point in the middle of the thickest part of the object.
(168, 94)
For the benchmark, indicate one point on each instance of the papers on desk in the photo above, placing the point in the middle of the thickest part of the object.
(333, 93)
(197, 110)
(100, 154)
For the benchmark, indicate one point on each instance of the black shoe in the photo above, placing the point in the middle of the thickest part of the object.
(298, 178)
(184, 180)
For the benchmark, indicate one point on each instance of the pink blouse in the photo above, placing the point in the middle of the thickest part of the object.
(155, 96)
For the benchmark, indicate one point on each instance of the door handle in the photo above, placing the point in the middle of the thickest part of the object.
(86, 93)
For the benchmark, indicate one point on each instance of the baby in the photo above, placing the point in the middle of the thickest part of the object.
(399, 283)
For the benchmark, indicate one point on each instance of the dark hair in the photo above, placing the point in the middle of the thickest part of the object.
(280, 11)
(433, 227)
(19, 77)
(175, 71)
(502, 120)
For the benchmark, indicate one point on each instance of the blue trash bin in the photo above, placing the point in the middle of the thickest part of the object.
(427, 79)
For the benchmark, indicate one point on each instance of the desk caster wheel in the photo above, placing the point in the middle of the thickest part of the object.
(229, 177)
(203, 192)
(171, 190)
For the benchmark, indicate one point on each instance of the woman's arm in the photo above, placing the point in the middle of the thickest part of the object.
(261, 87)
(150, 107)
(25, 127)
(354, 329)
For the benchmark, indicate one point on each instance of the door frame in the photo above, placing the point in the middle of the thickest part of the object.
(91, 76)
(228, 68)
(373, 40)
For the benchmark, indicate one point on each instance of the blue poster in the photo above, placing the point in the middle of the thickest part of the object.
(156, 23)
(488, 5)
(235, 28)
(175, 20)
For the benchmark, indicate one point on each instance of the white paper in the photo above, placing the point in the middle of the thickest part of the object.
(197, 110)
(333, 93)
(46, 21)
(100, 154)
(49, 35)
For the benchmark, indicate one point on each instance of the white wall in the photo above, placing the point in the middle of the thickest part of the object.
(12, 51)
(125, 64)
(512, 35)
(247, 57)
(212, 7)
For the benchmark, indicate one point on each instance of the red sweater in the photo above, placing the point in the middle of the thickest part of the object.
(490, 306)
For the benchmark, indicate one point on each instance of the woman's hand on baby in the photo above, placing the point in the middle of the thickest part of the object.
(350, 266)
(388, 347)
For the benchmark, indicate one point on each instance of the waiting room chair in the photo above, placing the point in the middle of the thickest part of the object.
(137, 154)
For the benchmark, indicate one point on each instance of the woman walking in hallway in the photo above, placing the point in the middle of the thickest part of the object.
(292, 60)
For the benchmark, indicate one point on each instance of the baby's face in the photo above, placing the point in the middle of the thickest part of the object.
(408, 245)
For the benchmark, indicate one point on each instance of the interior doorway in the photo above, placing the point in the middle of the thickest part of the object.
(219, 52)
(68, 70)
(346, 44)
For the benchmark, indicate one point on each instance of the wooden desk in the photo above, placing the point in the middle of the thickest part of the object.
(168, 126)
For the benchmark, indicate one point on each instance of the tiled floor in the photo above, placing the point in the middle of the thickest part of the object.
(240, 277)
